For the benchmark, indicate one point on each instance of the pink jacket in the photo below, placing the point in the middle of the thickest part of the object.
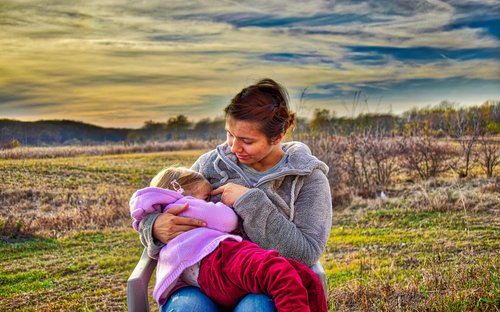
(190, 247)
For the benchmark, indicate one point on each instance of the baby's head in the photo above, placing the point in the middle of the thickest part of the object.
(193, 183)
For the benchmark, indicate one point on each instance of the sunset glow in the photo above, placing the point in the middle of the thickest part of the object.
(120, 63)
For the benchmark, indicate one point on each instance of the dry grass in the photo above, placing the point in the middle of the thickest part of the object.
(460, 286)
(107, 149)
(83, 272)
(431, 246)
(52, 213)
(67, 243)
(51, 197)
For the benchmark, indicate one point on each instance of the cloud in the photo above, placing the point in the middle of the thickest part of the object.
(120, 63)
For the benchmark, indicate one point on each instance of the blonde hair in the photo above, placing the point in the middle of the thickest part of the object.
(186, 178)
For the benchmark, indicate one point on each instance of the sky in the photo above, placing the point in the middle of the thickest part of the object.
(120, 63)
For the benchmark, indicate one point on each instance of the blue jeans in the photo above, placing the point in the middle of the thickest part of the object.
(192, 299)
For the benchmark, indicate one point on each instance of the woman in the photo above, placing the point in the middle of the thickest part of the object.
(279, 190)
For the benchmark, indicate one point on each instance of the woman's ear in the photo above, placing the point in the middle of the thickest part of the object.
(278, 139)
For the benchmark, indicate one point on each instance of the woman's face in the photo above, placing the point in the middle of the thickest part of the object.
(251, 146)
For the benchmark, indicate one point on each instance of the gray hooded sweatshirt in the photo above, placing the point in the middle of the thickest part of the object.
(289, 210)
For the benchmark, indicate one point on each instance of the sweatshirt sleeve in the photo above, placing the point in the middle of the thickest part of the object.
(304, 238)
(142, 203)
(153, 246)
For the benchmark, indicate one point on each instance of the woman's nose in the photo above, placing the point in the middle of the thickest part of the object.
(235, 147)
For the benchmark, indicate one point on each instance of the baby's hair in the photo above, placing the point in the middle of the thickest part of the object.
(186, 178)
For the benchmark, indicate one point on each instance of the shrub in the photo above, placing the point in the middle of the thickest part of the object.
(371, 162)
(488, 154)
(362, 163)
(331, 150)
(11, 144)
(426, 156)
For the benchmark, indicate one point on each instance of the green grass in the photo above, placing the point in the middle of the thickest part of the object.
(66, 242)
(81, 255)
(87, 271)
(394, 257)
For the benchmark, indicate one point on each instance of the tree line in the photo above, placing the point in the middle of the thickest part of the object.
(371, 154)
(443, 120)
(178, 128)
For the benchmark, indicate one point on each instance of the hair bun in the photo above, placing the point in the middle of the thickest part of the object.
(265, 102)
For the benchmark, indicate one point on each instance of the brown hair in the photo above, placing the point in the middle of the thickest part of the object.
(188, 179)
(265, 102)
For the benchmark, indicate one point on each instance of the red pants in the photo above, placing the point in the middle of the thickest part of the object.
(236, 269)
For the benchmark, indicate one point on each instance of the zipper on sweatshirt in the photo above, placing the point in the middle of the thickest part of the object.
(236, 168)
(268, 178)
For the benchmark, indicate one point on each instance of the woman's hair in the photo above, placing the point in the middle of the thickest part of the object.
(185, 178)
(265, 102)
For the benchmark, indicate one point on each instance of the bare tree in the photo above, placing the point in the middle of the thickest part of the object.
(385, 152)
(426, 156)
(488, 154)
(370, 162)
(330, 149)
(466, 129)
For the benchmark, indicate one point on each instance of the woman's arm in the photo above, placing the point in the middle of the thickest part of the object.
(163, 225)
(305, 237)
(217, 216)
(157, 229)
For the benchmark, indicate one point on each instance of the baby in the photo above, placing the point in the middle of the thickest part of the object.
(224, 266)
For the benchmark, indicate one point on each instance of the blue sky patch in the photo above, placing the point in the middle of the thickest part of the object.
(266, 21)
(490, 26)
(299, 58)
(424, 53)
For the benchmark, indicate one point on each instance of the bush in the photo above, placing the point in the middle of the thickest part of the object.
(11, 144)
(426, 157)
(371, 162)
(331, 150)
(361, 163)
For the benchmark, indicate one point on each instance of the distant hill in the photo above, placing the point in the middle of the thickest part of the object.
(58, 132)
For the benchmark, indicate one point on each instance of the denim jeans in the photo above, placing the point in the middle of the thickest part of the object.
(192, 299)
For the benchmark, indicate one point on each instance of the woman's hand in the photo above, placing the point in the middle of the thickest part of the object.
(230, 193)
(168, 225)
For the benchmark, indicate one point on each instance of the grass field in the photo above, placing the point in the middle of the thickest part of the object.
(67, 243)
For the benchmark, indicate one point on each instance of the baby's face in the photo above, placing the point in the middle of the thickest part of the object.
(202, 191)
